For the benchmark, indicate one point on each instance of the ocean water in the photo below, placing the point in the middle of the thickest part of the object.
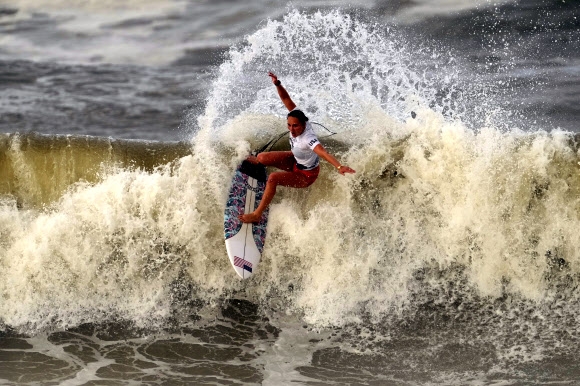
(450, 258)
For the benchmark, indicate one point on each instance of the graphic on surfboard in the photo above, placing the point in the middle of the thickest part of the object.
(245, 242)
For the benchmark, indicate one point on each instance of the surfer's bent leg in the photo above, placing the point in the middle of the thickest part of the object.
(280, 159)
(290, 179)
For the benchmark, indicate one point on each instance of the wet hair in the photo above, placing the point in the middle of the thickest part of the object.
(298, 114)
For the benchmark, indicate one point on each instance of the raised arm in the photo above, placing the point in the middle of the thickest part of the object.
(290, 105)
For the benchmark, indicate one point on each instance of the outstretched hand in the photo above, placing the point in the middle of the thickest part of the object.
(273, 76)
(346, 169)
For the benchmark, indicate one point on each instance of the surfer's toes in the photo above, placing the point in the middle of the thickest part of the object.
(249, 218)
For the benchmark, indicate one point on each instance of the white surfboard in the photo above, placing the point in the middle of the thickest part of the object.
(245, 242)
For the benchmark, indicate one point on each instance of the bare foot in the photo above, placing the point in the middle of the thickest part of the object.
(250, 217)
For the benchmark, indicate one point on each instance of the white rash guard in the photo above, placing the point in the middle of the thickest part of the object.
(303, 148)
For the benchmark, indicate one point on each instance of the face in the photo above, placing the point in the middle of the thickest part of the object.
(295, 126)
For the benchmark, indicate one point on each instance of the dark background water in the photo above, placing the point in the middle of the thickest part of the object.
(525, 54)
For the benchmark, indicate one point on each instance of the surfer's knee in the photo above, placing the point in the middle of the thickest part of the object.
(261, 158)
(253, 159)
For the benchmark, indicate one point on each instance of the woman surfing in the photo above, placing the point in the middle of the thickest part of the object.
(300, 166)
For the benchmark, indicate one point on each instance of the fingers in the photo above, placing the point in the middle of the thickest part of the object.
(345, 169)
(273, 76)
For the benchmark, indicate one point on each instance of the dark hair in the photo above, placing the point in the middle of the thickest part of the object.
(298, 114)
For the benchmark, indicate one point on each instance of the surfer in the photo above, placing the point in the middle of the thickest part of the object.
(300, 165)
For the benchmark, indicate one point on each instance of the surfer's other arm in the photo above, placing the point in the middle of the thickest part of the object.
(322, 153)
(284, 96)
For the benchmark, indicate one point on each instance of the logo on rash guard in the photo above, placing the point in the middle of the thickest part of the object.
(312, 142)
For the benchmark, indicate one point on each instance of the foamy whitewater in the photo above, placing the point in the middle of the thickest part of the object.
(450, 257)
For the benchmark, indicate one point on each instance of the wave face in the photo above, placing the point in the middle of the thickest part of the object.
(37, 169)
(436, 210)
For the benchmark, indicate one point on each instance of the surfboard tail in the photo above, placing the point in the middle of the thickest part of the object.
(245, 242)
